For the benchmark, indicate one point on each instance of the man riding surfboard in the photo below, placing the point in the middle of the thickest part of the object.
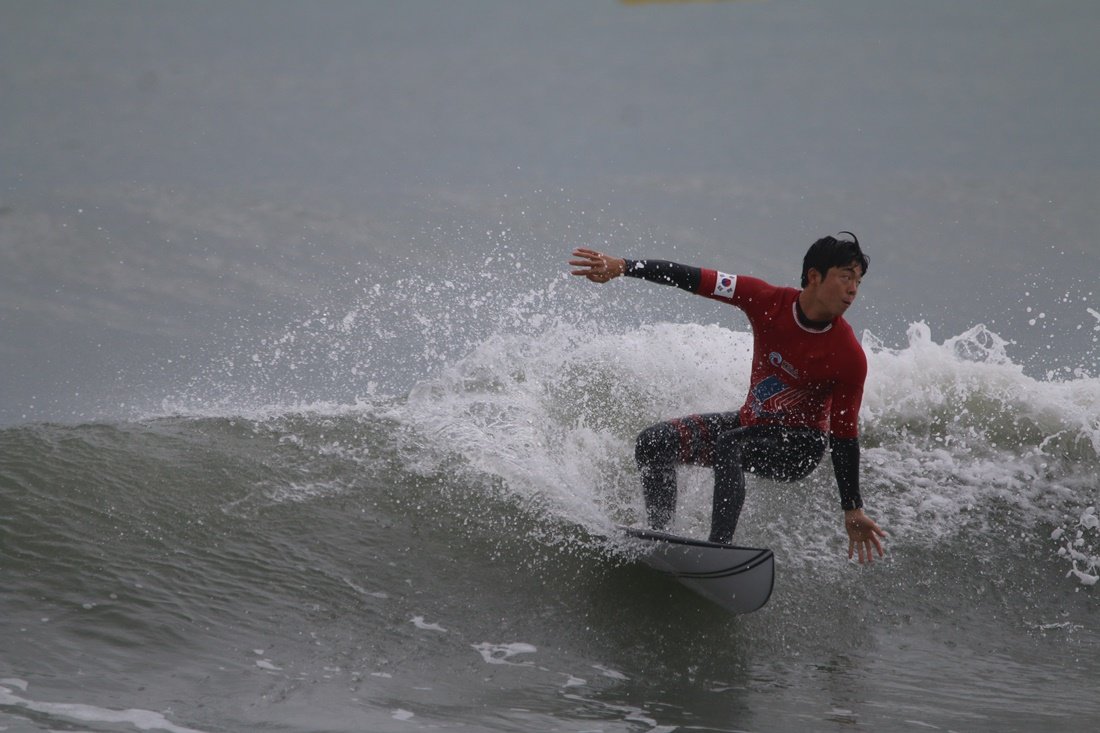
(806, 386)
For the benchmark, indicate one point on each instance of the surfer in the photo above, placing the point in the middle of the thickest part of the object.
(805, 388)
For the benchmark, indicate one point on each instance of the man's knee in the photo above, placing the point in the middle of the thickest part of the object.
(728, 447)
(656, 444)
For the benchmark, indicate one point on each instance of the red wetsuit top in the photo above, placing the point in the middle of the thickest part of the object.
(800, 377)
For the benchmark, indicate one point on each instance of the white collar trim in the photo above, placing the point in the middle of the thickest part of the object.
(794, 314)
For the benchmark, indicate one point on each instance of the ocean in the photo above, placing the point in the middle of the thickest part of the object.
(304, 426)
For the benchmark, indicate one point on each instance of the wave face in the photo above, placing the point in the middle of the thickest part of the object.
(448, 555)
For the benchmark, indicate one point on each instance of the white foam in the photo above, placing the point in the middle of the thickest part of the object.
(1079, 543)
(962, 430)
(610, 673)
(502, 653)
(420, 623)
(364, 592)
(140, 719)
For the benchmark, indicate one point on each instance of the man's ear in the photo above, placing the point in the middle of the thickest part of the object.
(813, 277)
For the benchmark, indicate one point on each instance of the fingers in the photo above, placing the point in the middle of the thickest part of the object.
(586, 256)
(594, 272)
(864, 548)
(591, 260)
(874, 541)
(870, 543)
(860, 548)
(594, 265)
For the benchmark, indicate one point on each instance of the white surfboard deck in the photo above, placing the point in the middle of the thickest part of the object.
(739, 579)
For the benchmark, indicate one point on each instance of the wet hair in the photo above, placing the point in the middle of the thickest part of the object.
(830, 252)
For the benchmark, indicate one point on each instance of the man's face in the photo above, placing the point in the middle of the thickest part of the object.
(838, 290)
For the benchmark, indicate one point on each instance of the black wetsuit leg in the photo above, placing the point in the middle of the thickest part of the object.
(655, 453)
(771, 451)
(661, 447)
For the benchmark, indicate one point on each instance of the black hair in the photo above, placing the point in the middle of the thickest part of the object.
(832, 252)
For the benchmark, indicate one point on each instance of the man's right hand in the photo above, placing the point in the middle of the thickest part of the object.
(597, 267)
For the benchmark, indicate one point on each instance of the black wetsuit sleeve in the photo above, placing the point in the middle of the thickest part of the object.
(664, 272)
(845, 454)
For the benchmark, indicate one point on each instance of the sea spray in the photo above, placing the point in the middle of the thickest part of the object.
(1080, 544)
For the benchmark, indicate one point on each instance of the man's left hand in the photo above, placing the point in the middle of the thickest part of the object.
(863, 535)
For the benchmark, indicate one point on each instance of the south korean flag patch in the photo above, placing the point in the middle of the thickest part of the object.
(724, 285)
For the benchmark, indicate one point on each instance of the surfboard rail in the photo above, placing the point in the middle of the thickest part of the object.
(739, 579)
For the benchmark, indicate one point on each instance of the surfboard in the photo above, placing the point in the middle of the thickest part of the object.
(739, 579)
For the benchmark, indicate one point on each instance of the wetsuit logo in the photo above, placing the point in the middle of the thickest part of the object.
(776, 360)
(763, 392)
(773, 399)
